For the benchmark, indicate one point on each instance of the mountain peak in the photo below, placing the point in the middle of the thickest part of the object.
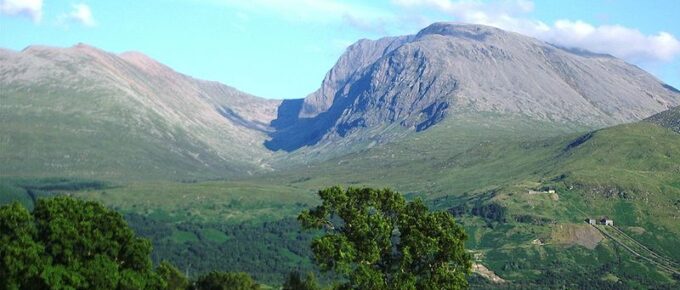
(470, 31)
(75, 50)
(82, 45)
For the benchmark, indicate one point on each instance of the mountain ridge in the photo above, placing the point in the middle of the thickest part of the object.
(148, 103)
(379, 91)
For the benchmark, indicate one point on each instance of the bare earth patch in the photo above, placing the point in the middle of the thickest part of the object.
(574, 234)
(637, 230)
(486, 273)
(554, 196)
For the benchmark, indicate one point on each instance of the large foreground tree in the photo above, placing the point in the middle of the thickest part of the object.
(67, 243)
(377, 240)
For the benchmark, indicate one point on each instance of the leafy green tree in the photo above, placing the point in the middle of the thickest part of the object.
(379, 241)
(21, 257)
(71, 244)
(174, 279)
(225, 281)
(295, 282)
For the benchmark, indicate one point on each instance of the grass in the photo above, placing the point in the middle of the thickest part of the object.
(464, 154)
(214, 235)
(183, 237)
(213, 201)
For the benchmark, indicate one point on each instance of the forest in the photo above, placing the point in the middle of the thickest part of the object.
(367, 239)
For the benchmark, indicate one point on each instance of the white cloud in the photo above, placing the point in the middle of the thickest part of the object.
(82, 14)
(29, 8)
(514, 15)
(617, 40)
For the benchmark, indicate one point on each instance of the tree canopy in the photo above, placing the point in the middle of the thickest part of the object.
(225, 281)
(296, 282)
(378, 240)
(67, 243)
(174, 279)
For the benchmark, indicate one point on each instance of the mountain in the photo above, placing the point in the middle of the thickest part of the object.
(150, 121)
(414, 82)
(80, 111)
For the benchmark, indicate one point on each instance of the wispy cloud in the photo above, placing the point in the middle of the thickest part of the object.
(620, 41)
(27, 8)
(82, 14)
(359, 16)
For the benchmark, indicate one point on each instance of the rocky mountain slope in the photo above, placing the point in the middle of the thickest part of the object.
(669, 119)
(83, 111)
(447, 69)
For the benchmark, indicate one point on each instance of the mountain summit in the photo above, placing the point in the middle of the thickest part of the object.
(416, 81)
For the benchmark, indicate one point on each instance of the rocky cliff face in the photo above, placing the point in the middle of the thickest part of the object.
(416, 81)
(356, 58)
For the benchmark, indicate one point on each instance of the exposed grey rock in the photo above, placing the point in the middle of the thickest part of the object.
(357, 56)
(416, 81)
(669, 119)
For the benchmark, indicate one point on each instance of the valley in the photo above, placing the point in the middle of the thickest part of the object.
(215, 177)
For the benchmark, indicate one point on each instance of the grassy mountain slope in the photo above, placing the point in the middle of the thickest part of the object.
(489, 172)
(485, 174)
(617, 173)
(83, 112)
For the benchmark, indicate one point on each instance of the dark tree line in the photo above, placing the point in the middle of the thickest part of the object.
(263, 250)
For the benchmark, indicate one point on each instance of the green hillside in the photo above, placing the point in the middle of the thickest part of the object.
(83, 112)
(70, 141)
(485, 173)
(492, 177)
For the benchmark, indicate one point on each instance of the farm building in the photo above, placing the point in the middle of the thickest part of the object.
(607, 222)
(591, 221)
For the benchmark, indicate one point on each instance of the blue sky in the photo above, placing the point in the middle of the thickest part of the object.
(283, 48)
